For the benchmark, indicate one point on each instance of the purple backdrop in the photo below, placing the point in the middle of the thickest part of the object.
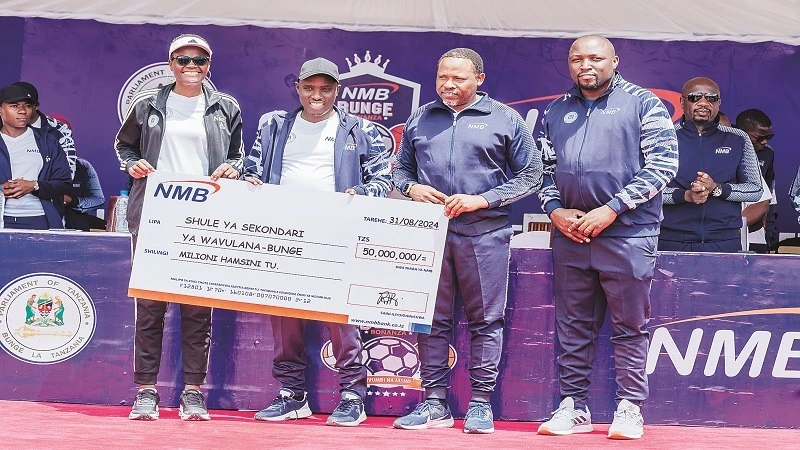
(81, 66)
(13, 28)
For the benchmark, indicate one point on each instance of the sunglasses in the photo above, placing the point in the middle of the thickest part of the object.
(695, 97)
(198, 61)
(765, 137)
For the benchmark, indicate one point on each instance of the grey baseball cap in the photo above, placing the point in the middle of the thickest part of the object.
(319, 66)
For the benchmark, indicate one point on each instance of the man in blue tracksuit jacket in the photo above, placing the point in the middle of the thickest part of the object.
(609, 150)
(718, 171)
(34, 173)
(318, 146)
(475, 156)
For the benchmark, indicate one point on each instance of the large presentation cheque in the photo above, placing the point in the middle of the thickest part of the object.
(291, 252)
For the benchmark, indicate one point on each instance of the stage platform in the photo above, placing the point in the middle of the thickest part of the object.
(724, 341)
(27, 425)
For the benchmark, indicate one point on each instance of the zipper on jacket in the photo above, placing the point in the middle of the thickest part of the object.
(580, 153)
(452, 152)
(703, 206)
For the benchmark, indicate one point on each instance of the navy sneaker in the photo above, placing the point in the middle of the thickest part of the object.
(145, 407)
(350, 411)
(431, 413)
(479, 418)
(193, 406)
(285, 407)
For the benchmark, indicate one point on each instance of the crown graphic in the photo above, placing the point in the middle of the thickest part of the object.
(366, 62)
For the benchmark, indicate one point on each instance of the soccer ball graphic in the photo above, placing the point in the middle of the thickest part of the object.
(386, 356)
(389, 355)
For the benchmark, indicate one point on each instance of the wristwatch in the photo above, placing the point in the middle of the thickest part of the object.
(717, 191)
(36, 187)
(407, 190)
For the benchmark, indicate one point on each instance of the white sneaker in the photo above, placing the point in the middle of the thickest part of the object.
(567, 420)
(628, 422)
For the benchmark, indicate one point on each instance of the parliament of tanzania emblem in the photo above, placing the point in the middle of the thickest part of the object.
(45, 318)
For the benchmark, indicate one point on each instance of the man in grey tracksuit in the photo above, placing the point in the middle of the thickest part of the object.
(318, 146)
(475, 156)
(609, 150)
(183, 127)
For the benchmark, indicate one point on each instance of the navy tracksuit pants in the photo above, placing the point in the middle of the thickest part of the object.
(477, 268)
(289, 362)
(609, 273)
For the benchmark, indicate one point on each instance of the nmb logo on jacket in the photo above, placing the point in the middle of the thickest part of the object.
(45, 318)
(369, 92)
(758, 345)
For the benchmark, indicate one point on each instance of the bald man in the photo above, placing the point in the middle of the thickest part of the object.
(718, 171)
(609, 150)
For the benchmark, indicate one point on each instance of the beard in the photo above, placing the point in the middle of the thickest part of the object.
(704, 118)
(595, 85)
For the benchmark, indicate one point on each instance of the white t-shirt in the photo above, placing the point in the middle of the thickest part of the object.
(184, 148)
(308, 155)
(26, 163)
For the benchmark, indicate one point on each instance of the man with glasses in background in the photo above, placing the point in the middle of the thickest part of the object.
(758, 126)
(188, 128)
(718, 171)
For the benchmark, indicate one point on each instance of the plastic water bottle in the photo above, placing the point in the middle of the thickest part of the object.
(121, 212)
(2, 207)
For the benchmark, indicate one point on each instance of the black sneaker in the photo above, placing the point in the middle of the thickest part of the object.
(193, 406)
(349, 413)
(285, 407)
(145, 407)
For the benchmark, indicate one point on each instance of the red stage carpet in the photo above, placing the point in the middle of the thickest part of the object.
(27, 425)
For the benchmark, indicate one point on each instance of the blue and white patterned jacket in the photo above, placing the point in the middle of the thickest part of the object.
(621, 152)
(361, 161)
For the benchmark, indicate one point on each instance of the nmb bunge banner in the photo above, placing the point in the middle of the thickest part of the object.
(286, 251)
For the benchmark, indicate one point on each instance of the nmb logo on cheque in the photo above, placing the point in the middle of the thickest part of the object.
(186, 190)
(45, 318)
(758, 348)
(369, 92)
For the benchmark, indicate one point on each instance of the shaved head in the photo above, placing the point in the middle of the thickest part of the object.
(700, 101)
(694, 83)
(592, 65)
(604, 43)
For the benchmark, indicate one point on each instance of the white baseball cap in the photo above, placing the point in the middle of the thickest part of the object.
(189, 40)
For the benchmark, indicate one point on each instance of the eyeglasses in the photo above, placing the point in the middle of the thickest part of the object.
(765, 137)
(695, 97)
(184, 60)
